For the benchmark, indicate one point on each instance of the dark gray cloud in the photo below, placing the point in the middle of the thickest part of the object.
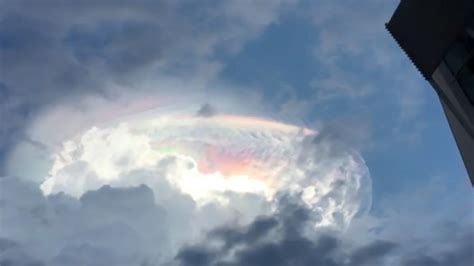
(282, 239)
(12, 254)
(461, 255)
(206, 110)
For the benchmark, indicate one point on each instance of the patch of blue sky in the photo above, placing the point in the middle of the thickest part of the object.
(281, 56)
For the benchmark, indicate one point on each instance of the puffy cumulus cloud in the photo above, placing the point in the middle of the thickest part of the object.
(49, 228)
(107, 226)
(213, 160)
(90, 47)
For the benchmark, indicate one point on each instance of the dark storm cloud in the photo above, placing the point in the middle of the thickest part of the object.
(279, 240)
(282, 240)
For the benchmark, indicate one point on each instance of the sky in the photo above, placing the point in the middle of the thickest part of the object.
(246, 132)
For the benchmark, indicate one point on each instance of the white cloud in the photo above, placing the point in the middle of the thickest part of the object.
(261, 161)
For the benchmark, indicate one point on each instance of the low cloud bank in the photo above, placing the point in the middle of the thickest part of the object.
(125, 226)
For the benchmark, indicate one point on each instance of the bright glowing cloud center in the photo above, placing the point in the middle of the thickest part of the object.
(212, 158)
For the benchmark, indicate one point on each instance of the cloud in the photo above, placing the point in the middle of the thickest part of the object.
(159, 225)
(458, 256)
(105, 48)
(206, 110)
(58, 54)
(283, 239)
(340, 84)
(212, 160)
(122, 226)
(11, 253)
(353, 51)
(99, 211)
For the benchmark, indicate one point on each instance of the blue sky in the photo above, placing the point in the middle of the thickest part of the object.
(68, 68)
